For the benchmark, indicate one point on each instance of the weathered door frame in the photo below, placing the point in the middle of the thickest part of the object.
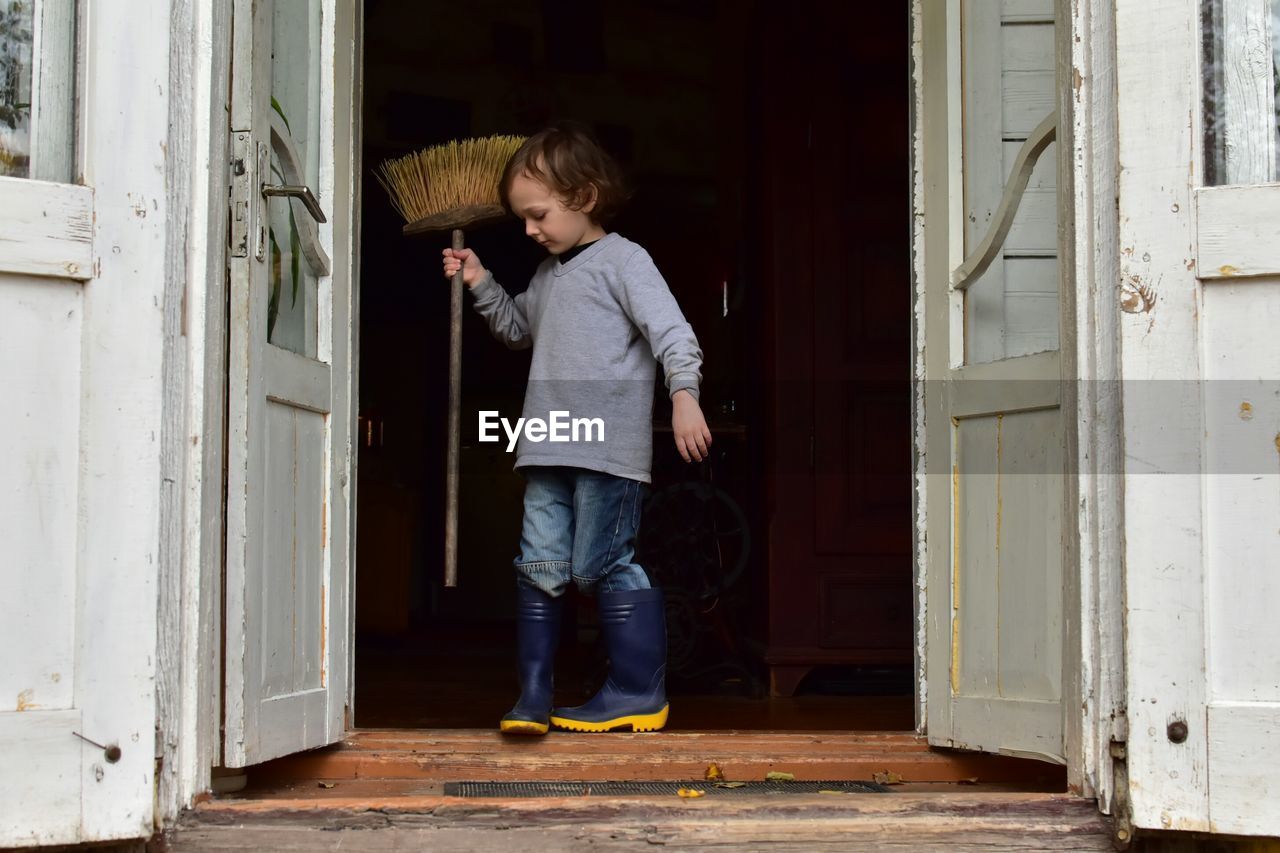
(1092, 697)
(190, 634)
(190, 610)
(1088, 189)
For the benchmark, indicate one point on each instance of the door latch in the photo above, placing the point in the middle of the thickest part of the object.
(260, 232)
(303, 194)
(250, 163)
(242, 211)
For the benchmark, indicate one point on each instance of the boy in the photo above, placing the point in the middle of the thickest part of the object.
(600, 318)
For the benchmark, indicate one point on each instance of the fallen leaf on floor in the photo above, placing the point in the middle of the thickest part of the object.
(714, 773)
(690, 793)
(730, 784)
(887, 777)
(830, 792)
(328, 784)
(779, 776)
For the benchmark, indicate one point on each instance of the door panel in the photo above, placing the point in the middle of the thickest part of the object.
(295, 504)
(1007, 491)
(42, 778)
(1241, 588)
(1201, 411)
(84, 311)
(290, 380)
(995, 450)
(1001, 572)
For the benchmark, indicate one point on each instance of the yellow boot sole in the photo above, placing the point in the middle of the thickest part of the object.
(522, 727)
(637, 722)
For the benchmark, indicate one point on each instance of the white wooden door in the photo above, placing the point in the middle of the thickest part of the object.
(290, 461)
(994, 453)
(83, 221)
(1200, 303)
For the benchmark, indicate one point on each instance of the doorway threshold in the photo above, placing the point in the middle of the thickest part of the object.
(802, 824)
(370, 760)
(399, 781)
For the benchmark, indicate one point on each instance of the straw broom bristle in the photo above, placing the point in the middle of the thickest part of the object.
(444, 177)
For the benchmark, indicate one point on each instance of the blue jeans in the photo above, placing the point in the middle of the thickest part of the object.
(580, 526)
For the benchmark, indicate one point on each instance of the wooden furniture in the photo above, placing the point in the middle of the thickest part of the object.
(836, 322)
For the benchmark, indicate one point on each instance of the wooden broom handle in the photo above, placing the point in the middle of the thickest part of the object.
(455, 422)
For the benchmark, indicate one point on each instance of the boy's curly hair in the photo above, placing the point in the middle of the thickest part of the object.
(567, 158)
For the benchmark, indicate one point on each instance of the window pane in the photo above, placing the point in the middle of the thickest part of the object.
(1009, 88)
(1241, 101)
(16, 30)
(295, 91)
(37, 83)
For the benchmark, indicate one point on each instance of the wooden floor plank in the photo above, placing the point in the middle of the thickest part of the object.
(810, 823)
(455, 755)
(388, 785)
(383, 793)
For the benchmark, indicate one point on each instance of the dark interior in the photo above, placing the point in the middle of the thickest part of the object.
(767, 146)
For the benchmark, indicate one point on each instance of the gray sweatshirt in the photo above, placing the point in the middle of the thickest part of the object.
(599, 325)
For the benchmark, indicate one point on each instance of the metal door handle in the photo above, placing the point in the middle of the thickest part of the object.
(303, 194)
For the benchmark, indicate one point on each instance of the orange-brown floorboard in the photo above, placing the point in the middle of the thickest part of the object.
(427, 709)
(407, 762)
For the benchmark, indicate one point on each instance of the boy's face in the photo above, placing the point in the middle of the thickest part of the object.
(547, 220)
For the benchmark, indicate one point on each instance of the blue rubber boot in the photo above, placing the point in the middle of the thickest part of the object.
(537, 637)
(635, 695)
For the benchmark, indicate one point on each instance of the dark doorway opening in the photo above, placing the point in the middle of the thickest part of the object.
(768, 149)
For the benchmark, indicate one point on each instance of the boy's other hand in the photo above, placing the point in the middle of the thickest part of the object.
(689, 427)
(472, 269)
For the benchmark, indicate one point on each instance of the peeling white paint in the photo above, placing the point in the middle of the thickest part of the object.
(920, 499)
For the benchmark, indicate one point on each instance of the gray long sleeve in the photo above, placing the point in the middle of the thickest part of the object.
(506, 316)
(599, 326)
(651, 306)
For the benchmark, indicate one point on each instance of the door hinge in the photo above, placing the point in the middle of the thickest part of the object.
(1121, 814)
(242, 210)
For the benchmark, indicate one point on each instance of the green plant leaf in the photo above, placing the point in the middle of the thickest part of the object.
(273, 302)
(275, 105)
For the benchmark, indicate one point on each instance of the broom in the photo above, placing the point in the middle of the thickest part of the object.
(448, 188)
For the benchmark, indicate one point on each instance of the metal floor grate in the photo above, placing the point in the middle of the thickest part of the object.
(642, 789)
